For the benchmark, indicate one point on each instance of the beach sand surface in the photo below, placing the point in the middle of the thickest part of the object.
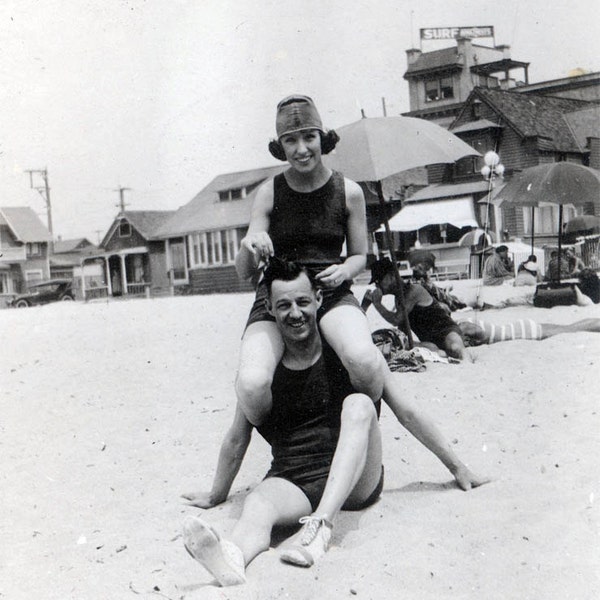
(109, 411)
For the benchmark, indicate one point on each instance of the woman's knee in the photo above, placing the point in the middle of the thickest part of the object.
(253, 383)
(358, 408)
(362, 360)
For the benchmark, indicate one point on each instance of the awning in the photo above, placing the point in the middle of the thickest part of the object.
(458, 212)
(448, 190)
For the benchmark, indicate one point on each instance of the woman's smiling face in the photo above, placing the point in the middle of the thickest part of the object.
(302, 149)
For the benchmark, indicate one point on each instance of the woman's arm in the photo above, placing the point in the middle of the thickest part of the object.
(356, 239)
(233, 448)
(257, 244)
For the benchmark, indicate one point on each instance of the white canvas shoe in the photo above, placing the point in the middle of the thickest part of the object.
(313, 542)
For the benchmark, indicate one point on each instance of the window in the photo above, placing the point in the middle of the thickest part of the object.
(124, 229)
(33, 276)
(546, 218)
(439, 89)
(232, 194)
(34, 249)
(215, 247)
(5, 284)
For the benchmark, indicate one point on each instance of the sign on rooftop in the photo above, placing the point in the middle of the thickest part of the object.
(452, 33)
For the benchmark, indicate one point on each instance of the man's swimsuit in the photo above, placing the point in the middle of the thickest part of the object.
(303, 426)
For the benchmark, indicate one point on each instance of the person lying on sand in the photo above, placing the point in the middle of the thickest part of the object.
(477, 332)
(325, 442)
(428, 319)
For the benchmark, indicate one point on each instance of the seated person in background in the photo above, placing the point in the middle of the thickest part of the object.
(427, 318)
(574, 264)
(476, 331)
(448, 301)
(552, 270)
(589, 284)
(527, 273)
(498, 267)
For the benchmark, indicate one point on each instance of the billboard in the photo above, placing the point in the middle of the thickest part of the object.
(452, 33)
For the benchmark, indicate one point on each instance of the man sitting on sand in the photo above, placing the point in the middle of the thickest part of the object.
(497, 268)
(325, 443)
(427, 318)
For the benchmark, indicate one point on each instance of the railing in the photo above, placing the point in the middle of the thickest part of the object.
(450, 269)
(100, 291)
(138, 289)
(12, 254)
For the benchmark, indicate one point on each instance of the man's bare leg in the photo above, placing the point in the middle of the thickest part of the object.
(354, 475)
(273, 502)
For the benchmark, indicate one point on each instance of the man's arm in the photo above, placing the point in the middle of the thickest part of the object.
(424, 429)
(391, 316)
(233, 448)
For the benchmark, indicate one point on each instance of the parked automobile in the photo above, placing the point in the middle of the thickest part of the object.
(43, 292)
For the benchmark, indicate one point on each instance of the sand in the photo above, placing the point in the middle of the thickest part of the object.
(109, 411)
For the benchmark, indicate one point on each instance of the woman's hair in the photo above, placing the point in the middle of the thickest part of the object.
(329, 141)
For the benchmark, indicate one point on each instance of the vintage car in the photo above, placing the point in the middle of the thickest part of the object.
(43, 292)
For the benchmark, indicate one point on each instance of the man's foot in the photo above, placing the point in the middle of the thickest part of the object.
(313, 542)
(221, 558)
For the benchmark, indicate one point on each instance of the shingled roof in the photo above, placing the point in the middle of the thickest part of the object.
(533, 116)
(446, 58)
(206, 212)
(25, 225)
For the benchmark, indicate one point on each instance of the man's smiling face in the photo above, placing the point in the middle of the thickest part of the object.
(294, 305)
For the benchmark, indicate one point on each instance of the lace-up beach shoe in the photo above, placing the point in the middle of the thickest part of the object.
(312, 543)
(221, 558)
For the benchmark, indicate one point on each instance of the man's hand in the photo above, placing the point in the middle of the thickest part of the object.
(467, 480)
(376, 296)
(201, 499)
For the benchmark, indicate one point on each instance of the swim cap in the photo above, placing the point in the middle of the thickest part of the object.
(295, 113)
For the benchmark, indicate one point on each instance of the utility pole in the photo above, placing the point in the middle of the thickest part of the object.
(44, 192)
(122, 204)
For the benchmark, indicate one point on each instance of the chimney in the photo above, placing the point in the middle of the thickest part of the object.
(413, 55)
(505, 49)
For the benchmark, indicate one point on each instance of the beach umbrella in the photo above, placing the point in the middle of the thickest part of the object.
(375, 148)
(370, 150)
(477, 237)
(583, 223)
(552, 183)
(555, 183)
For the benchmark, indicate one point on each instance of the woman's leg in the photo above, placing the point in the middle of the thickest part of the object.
(260, 353)
(347, 331)
(550, 329)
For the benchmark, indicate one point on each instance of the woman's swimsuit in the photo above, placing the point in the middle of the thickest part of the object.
(308, 228)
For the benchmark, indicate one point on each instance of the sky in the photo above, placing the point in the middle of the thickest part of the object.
(161, 96)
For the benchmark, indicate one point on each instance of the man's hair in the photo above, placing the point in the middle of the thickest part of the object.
(284, 271)
(501, 249)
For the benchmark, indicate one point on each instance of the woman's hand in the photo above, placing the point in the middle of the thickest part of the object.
(333, 276)
(259, 244)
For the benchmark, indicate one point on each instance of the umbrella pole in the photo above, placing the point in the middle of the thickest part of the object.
(560, 221)
(532, 229)
(390, 244)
